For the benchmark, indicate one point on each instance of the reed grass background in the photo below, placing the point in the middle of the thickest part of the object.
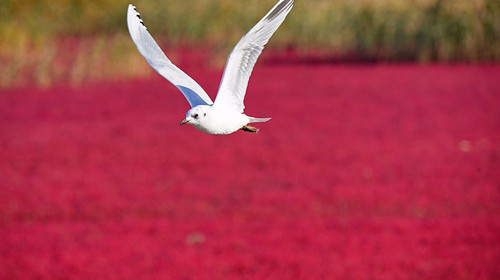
(45, 42)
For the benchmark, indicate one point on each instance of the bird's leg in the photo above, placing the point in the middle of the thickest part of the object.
(248, 128)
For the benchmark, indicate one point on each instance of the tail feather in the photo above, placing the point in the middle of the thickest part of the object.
(255, 120)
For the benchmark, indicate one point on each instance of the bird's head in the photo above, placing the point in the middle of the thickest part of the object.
(196, 115)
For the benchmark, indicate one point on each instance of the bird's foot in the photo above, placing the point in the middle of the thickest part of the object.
(248, 128)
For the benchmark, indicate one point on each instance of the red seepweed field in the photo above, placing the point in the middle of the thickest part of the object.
(364, 172)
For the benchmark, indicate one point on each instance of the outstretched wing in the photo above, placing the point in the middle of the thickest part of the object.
(150, 50)
(242, 59)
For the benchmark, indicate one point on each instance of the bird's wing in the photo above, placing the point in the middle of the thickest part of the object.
(150, 50)
(242, 59)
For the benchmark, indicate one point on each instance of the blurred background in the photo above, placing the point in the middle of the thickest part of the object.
(45, 41)
(382, 160)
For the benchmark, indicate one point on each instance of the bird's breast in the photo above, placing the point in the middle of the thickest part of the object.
(222, 123)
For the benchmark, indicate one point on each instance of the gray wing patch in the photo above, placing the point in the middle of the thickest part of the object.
(193, 98)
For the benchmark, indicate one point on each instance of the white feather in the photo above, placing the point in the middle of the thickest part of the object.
(226, 115)
(155, 57)
(242, 59)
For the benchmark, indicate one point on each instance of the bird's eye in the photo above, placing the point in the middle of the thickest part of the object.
(205, 114)
(195, 116)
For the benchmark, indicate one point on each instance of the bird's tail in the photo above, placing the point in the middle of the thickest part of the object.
(254, 120)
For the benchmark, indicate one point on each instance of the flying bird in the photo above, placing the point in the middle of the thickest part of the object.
(224, 115)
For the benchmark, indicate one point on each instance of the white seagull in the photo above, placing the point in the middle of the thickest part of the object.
(225, 115)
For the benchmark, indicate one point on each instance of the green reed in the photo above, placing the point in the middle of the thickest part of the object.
(381, 30)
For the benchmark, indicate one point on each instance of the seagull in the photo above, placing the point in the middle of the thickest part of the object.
(224, 115)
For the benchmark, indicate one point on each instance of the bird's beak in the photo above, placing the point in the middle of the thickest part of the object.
(184, 121)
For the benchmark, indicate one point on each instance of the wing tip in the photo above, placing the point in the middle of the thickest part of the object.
(133, 16)
(282, 7)
(131, 9)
